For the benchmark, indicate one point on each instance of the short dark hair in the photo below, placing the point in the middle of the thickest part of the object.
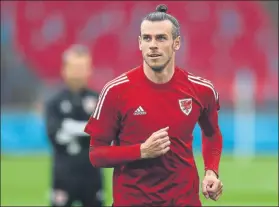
(160, 15)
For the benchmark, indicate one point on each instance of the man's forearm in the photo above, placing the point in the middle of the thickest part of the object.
(110, 156)
(212, 149)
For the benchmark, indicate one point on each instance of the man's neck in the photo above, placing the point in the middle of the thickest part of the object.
(75, 89)
(161, 77)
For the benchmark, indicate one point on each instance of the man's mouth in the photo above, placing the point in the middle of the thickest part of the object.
(153, 55)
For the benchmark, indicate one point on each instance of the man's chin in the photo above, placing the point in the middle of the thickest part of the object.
(157, 68)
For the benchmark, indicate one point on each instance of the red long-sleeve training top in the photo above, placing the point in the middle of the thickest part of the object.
(129, 110)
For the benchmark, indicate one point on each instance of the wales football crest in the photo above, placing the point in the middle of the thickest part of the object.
(185, 105)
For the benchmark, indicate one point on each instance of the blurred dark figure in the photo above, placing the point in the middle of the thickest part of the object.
(74, 178)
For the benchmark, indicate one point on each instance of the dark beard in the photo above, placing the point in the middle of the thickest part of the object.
(159, 68)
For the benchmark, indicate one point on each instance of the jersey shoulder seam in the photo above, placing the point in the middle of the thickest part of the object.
(205, 83)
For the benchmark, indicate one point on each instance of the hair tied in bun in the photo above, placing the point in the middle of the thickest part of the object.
(162, 8)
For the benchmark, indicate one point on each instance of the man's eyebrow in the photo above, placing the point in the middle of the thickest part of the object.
(161, 35)
(155, 35)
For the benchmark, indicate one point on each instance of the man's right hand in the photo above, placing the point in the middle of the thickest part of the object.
(156, 145)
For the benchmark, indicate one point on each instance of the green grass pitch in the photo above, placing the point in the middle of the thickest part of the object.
(25, 180)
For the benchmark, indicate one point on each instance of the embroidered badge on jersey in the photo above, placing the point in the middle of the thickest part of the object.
(185, 105)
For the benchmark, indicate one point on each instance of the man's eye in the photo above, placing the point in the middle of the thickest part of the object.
(146, 38)
(161, 38)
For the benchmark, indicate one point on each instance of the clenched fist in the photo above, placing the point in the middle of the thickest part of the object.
(212, 187)
(156, 145)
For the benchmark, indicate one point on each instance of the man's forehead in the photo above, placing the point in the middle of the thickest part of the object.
(74, 58)
(156, 27)
(74, 55)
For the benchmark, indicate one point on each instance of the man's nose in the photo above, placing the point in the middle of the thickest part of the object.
(153, 44)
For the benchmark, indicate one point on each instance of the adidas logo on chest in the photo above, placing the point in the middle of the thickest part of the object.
(139, 111)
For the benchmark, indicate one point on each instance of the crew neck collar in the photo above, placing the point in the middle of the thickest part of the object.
(159, 85)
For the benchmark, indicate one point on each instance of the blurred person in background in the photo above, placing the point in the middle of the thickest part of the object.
(150, 112)
(74, 178)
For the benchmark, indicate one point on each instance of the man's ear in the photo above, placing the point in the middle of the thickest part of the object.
(177, 43)
(139, 39)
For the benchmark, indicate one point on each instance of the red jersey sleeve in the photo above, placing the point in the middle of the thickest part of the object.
(211, 134)
(104, 127)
